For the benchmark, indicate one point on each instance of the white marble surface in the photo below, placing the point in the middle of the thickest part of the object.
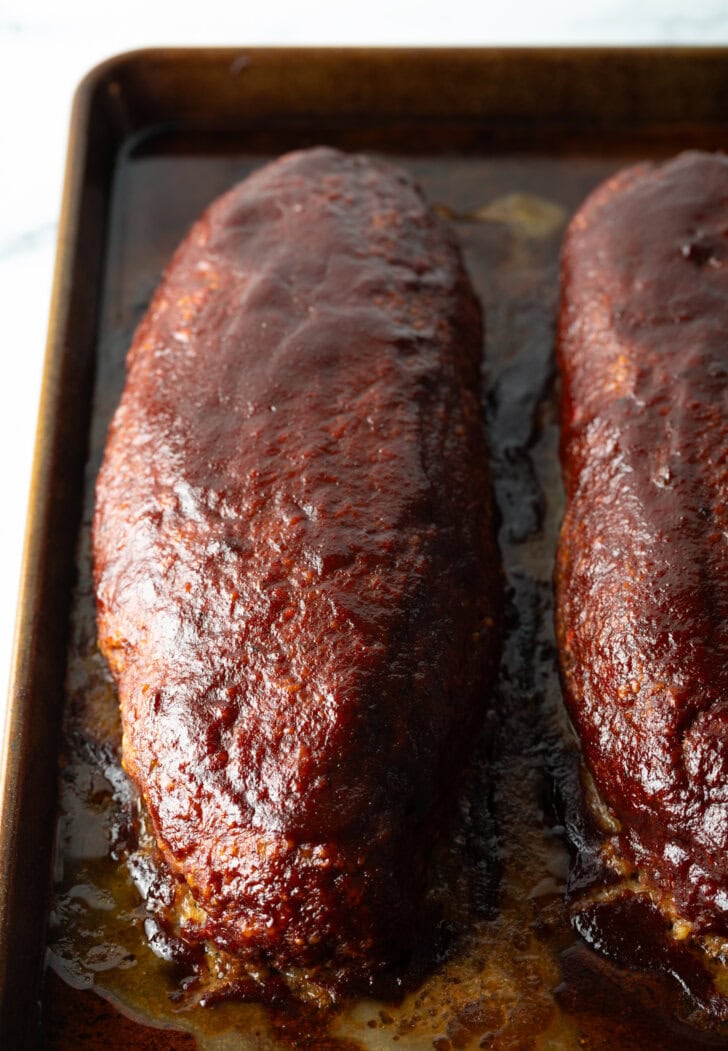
(47, 46)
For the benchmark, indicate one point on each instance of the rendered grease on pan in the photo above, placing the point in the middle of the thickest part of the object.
(513, 974)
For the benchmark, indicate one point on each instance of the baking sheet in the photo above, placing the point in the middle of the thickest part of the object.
(507, 170)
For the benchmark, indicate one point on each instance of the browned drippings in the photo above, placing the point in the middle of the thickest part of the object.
(513, 973)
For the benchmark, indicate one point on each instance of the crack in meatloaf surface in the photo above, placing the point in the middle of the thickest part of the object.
(297, 579)
(642, 568)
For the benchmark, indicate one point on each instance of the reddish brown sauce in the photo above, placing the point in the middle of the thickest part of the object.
(297, 578)
(642, 603)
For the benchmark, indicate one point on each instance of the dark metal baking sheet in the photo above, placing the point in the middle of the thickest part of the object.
(154, 136)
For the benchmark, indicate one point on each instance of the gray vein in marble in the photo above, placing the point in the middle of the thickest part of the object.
(28, 241)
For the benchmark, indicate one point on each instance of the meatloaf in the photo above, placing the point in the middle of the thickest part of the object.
(642, 567)
(297, 578)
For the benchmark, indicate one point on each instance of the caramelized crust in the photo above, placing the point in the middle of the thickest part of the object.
(297, 580)
(642, 573)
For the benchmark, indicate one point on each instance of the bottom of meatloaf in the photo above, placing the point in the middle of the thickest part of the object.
(609, 880)
(176, 927)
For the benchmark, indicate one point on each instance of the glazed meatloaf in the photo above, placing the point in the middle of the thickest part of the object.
(642, 574)
(297, 578)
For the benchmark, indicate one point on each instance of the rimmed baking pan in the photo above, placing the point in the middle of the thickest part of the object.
(506, 143)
